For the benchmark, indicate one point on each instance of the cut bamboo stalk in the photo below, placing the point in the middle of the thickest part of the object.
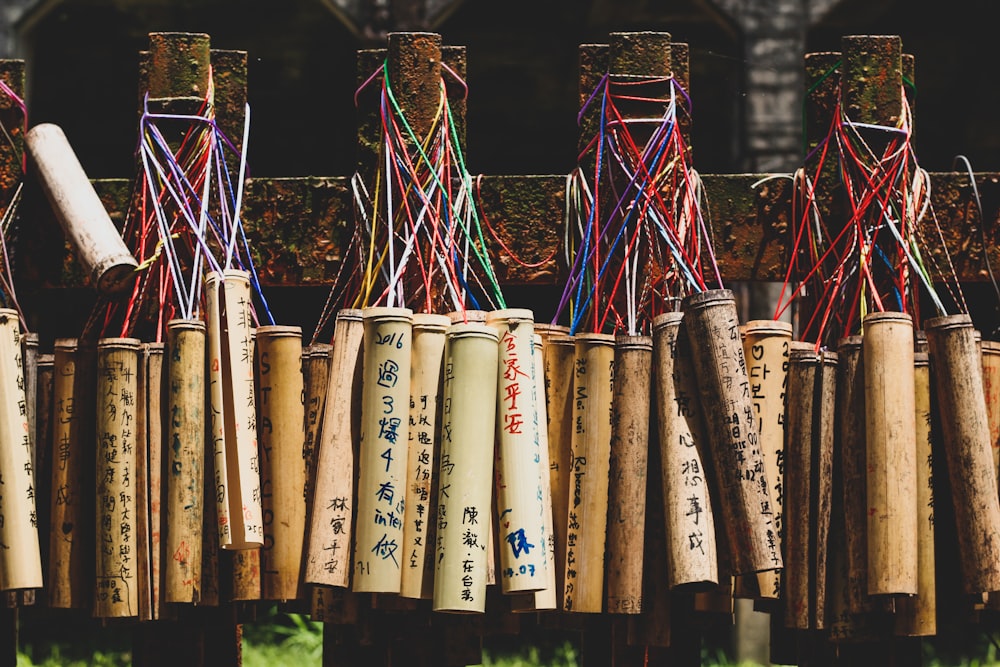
(690, 524)
(43, 451)
(717, 352)
(153, 358)
(417, 579)
(117, 587)
(29, 373)
(917, 616)
(246, 578)
(521, 530)
(959, 391)
(593, 385)
(627, 473)
(69, 542)
(211, 573)
(468, 418)
(315, 379)
(283, 473)
(95, 239)
(765, 348)
(890, 438)
(234, 420)
(184, 460)
(826, 397)
(328, 555)
(20, 558)
(143, 573)
(991, 389)
(385, 403)
(558, 358)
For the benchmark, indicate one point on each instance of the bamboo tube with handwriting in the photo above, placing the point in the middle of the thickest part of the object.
(964, 425)
(468, 418)
(382, 460)
(20, 558)
(234, 420)
(717, 352)
(558, 357)
(417, 579)
(523, 562)
(328, 555)
(153, 358)
(627, 473)
(826, 400)
(29, 371)
(917, 616)
(246, 575)
(991, 388)
(184, 454)
(890, 438)
(765, 348)
(283, 473)
(117, 587)
(593, 386)
(690, 525)
(68, 557)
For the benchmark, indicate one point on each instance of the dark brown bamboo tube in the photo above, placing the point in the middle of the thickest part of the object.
(890, 439)
(800, 441)
(328, 554)
(20, 558)
(765, 348)
(43, 451)
(116, 590)
(991, 390)
(283, 473)
(853, 461)
(425, 386)
(593, 386)
(717, 352)
(468, 418)
(521, 539)
(917, 616)
(184, 460)
(153, 360)
(382, 459)
(627, 473)
(826, 396)
(959, 391)
(558, 357)
(689, 521)
(211, 571)
(315, 378)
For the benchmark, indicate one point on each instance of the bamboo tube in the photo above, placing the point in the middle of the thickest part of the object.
(315, 378)
(95, 240)
(468, 418)
(116, 591)
(20, 558)
(184, 460)
(890, 439)
(43, 451)
(959, 391)
(382, 461)
(917, 616)
(283, 473)
(246, 578)
(711, 321)
(211, 575)
(153, 357)
(68, 558)
(142, 536)
(765, 348)
(687, 508)
(558, 358)
(234, 421)
(417, 578)
(991, 389)
(593, 385)
(328, 555)
(523, 562)
(29, 373)
(627, 473)
(826, 397)
(468, 316)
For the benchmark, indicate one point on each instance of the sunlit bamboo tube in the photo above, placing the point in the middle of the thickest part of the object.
(890, 439)
(382, 460)
(117, 587)
(468, 417)
(991, 389)
(283, 473)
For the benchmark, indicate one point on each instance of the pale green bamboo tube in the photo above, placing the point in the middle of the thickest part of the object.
(717, 353)
(593, 386)
(382, 459)
(765, 348)
(627, 473)
(692, 557)
(917, 616)
(890, 438)
(328, 555)
(558, 357)
(117, 586)
(283, 474)
(521, 538)
(468, 417)
(20, 558)
(417, 579)
(964, 425)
